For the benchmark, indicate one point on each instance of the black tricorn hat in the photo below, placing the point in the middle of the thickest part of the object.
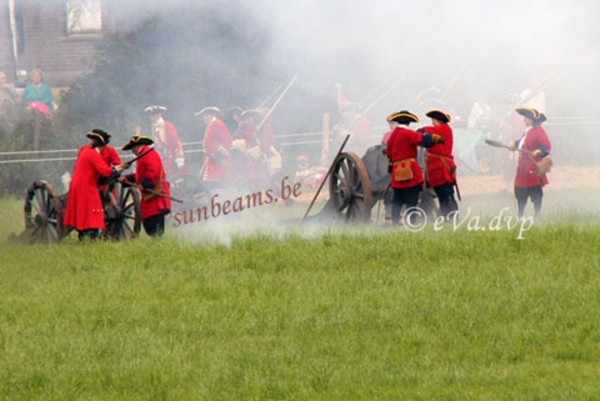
(234, 110)
(102, 136)
(137, 140)
(251, 113)
(439, 115)
(403, 117)
(531, 114)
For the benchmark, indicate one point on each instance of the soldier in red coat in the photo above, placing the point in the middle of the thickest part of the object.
(233, 118)
(217, 145)
(439, 161)
(107, 152)
(257, 146)
(150, 174)
(402, 146)
(84, 207)
(357, 126)
(167, 141)
(535, 140)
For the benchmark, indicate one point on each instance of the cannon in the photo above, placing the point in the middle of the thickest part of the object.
(44, 212)
(357, 184)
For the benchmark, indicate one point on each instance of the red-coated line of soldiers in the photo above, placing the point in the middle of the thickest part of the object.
(85, 211)
(98, 159)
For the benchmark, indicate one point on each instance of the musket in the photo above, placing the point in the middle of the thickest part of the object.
(269, 97)
(325, 178)
(128, 163)
(497, 144)
(541, 167)
(151, 191)
(380, 98)
(539, 87)
(372, 94)
(451, 84)
(268, 115)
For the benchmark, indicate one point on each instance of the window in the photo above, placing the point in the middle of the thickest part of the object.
(84, 16)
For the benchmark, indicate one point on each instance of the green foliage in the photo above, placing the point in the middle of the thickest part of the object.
(353, 314)
(18, 132)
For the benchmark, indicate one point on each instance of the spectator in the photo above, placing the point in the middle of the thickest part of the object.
(38, 94)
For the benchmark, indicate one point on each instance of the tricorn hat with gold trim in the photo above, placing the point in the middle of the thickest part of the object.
(531, 114)
(439, 115)
(102, 136)
(208, 110)
(137, 140)
(403, 117)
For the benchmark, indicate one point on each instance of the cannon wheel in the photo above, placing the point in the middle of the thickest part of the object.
(123, 211)
(350, 189)
(43, 213)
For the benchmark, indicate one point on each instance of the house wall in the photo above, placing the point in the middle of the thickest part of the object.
(6, 53)
(48, 44)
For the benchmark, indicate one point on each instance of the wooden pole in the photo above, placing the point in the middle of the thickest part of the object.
(272, 109)
(326, 176)
(380, 98)
(269, 97)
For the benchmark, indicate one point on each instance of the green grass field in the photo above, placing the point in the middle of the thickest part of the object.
(359, 314)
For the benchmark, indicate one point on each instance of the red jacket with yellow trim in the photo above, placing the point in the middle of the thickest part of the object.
(403, 145)
(437, 171)
(535, 139)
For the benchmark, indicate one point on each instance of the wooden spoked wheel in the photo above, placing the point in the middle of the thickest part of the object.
(350, 189)
(122, 212)
(43, 213)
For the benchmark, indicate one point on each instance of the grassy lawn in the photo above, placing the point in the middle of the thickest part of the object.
(358, 314)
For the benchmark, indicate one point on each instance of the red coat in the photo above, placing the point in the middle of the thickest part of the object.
(168, 144)
(216, 135)
(256, 168)
(526, 175)
(110, 156)
(84, 207)
(402, 145)
(438, 172)
(150, 166)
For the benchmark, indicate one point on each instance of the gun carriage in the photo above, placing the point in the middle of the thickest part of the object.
(44, 212)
